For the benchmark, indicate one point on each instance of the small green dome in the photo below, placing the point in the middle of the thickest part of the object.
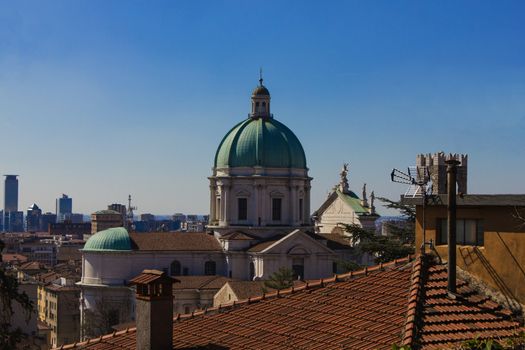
(261, 142)
(112, 239)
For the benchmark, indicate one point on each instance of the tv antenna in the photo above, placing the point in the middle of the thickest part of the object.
(129, 215)
(420, 186)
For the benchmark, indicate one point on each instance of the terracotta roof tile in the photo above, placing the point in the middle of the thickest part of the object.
(175, 241)
(360, 310)
(200, 282)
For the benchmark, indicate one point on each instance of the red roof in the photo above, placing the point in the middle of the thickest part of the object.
(150, 276)
(175, 241)
(396, 303)
(14, 258)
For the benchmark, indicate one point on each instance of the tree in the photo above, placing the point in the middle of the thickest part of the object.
(9, 337)
(100, 320)
(280, 279)
(399, 243)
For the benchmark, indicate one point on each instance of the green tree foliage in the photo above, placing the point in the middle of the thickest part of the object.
(280, 279)
(517, 343)
(398, 244)
(100, 320)
(408, 211)
(344, 266)
(9, 337)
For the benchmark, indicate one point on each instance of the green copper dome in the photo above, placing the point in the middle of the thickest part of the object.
(261, 142)
(112, 239)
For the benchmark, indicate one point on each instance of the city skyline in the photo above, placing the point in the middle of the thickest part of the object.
(99, 101)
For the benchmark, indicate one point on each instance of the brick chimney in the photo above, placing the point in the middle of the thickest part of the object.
(154, 310)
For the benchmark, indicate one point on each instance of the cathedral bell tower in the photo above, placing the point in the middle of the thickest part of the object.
(260, 102)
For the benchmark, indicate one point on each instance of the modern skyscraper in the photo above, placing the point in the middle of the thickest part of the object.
(64, 208)
(11, 193)
(11, 204)
(33, 218)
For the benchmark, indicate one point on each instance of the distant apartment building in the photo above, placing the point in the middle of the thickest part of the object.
(40, 250)
(47, 219)
(33, 218)
(73, 230)
(147, 217)
(76, 218)
(14, 221)
(62, 311)
(104, 219)
(179, 217)
(64, 208)
(120, 208)
(147, 222)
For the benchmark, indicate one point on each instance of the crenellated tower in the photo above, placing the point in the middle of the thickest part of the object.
(437, 170)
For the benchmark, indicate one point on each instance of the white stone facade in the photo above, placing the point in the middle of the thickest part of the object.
(259, 187)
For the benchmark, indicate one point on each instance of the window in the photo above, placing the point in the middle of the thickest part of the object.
(185, 271)
(175, 268)
(218, 209)
(113, 317)
(252, 271)
(468, 232)
(276, 209)
(209, 268)
(298, 268)
(301, 209)
(242, 206)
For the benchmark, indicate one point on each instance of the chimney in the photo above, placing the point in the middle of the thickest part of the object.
(452, 163)
(154, 310)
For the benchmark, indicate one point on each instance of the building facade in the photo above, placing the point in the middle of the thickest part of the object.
(64, 208)
(104, 219)
(343, 206)
(33, 218)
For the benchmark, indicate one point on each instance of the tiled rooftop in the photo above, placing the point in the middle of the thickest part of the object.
(400, 302)
(200, 282)
(175, 241)
(444, 320)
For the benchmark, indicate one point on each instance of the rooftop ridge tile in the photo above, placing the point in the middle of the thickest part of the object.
(414, 299)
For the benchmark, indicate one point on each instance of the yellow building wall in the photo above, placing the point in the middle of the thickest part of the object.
(500, 262)
(42, 296)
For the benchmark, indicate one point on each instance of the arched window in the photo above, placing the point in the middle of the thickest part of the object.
(209, 268)
(252, 271)
(175, 268)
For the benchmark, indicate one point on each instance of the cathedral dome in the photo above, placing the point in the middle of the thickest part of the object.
(261, 142)
(113, 239)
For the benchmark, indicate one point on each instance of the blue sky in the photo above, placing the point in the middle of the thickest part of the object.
(99, 99)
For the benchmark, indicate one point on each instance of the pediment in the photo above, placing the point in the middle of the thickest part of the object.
(298, 243)
(338, 206)
(277, 194)
(243, 193)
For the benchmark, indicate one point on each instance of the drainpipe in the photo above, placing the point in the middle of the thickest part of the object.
(451, 222)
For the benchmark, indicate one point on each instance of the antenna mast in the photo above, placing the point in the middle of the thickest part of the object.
(418, 177)
(129, 216)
